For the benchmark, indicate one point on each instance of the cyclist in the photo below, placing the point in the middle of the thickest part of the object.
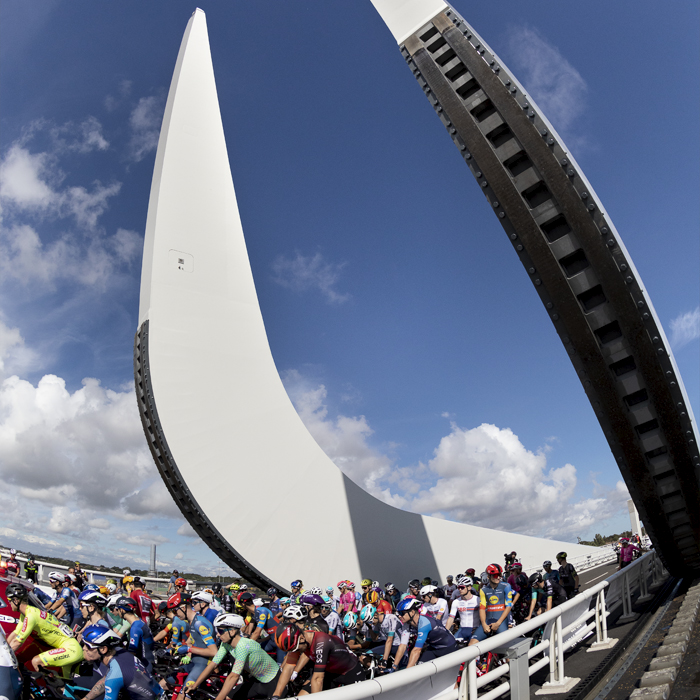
(140, 635)
(413, 589)
(80, 577)
(31, 570)
(495, 602)
(171, 582)
(181, 627)
(568, 578)
(467, 607)
(201, 602)
(263, 621)
(348, 602)
(627, 553)
(392, 595)
(12, 564)
(65, 607)
(352, 636)
(126, 674)
(432, 640)
(92, 605)
(476, 581)
(263, 672)
(297, 587)
(384, 629)
(549, 572)
(65, 650)
(433, 606)
(545, 594)
(449, 588)
(144, 603)
(334, 664)
(274, 604)
(522, 599)
(331, 617)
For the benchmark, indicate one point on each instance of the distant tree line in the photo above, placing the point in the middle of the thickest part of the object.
(600, 540)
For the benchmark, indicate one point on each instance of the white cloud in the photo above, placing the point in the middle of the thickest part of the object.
(151, 499)
(100, 523)
(145, 123)
(82, 138)
(15, 356)
(555, 84)
(141, 540)
(186, 530)
(22, 180)
(302, 273)
(685, 328)
(179, 556)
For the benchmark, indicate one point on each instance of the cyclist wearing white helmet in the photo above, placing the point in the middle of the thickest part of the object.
(12, 564)
(467, 607)
(433, 606)
(247, 655)
(65, 607)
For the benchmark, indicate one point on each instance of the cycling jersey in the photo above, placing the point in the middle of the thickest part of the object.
(331, 655)
(211, 614)
(494, 600)
(552, 590)
(435, 609)
(348, 603)
(265, 619)
(384, 606)
(468, 611)
(144, 604)
(12, 567)
(202, 632)
(433, 636)
(552, 575)
(248, 656)
(65, 649)
(141, 642)
(626, 553)
(566, 575)
(333, 622)
(127, 675)
(71, 605)
(181, 629)
(448, 590)
(386, 628)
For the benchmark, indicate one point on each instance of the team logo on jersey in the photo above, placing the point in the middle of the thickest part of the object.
(493, 599)
(262, 617)
(42, 615)
(203, 629)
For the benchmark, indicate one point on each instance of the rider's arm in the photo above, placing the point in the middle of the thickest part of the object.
(533, 602)
(203, 676)
(21, 632)
(388, 644)
(286, 670)
(449, 623)
(508, 607)
(96, 690)
(114, 682)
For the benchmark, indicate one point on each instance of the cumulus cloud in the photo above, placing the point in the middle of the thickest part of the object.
(179, 556)
(145, 123)
(302, 273)
(141, 540)
(15, 356)
(186, 530)
(556, 85)
(685, 328)
(482, 476)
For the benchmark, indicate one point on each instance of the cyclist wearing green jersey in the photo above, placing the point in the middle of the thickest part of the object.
(247, 656)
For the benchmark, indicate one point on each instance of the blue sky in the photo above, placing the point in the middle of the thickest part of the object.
(403, 324)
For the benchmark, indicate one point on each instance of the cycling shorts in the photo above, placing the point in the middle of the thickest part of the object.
(67, 655)
(481, 635)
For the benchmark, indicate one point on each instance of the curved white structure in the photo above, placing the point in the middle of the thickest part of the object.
(215, 412)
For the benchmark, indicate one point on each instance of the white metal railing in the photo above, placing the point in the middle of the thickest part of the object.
(565, 627)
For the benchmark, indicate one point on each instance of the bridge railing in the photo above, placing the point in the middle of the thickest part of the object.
(565, 626)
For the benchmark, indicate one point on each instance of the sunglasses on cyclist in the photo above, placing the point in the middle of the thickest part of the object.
(462, 588)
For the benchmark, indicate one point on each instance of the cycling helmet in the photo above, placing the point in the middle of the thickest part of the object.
(327, 605)
(13, 551)
(372, 597)
(271, 591)
(57, 577)
(233, 587)
(162, 606)
(216, 589)
(329, 590)
(516, 565)
(296, 583)
(244, 587)
(295, 612)
(367, 613)
(176, 600)
(390, 587)
(130, 579)
(180, 582)
(414, 583)
(113, 599)
(547, 563)
(202, 597)
(428, 590)
(494, 570)
(111, 588)
(342, 584)
(484, 578)
(562, 555)
(464, 581)
(110, 580)
(316, 591)
(521, 581)
(375, 584)
(350, 621)
(351, 584)
(470, 572)
(535, 579)
(366, 583)
(225, 621)
(93, 598)
(287, 637)
(285, 601)
(311, 599)
(126, 572)
(408, 604)
(245, 598)
(257, 602)
(16, 590)
(126, 604)
(96, 636)
(91, 587)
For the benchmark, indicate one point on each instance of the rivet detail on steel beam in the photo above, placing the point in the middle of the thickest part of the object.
(531, 114)
(532, 270)
(629, 279)
(623, 267)
(550, 141)
(591, 206)
(513, 236)
(549, 305)
(484, 183)
(518, 247)
(555, 317)
(640, 304)
(570, 172)
(478, 173)
(584, 195)
(501, 215)
(538, 281)
(611, 242)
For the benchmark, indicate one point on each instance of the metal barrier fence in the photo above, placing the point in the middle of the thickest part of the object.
(565, 626)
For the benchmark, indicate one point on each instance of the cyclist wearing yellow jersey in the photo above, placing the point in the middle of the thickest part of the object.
(44, 626)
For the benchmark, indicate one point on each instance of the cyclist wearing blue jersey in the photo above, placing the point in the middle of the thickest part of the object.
(180, 626)
(126, 675)
(140, 635)
(65, 607)
(432, 640)
(201, 602)
(496, 601)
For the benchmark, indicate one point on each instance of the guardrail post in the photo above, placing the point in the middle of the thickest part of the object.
(519, 666)
(558, 682)
(601, 626)
(627, 614)
(644, 595)
(40, 574)
(468, 689)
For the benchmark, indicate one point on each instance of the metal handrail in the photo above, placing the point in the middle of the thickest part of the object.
(437, 678)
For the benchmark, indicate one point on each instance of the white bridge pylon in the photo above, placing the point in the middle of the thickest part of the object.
(215, 412)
